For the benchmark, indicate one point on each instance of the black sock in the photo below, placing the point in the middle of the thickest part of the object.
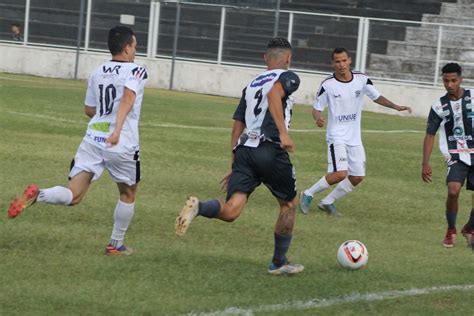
(282, 243)
(451, 218)
(209, 209)
(470, 223)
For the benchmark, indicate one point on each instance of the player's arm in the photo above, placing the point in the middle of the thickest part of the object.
(319, 105)
(389, 104)
(275, 105)
(434, 121)
(239, 123)
(237, 130)
(318, 118)
(90, 107)
(287, 83)
(426, 171)
(89, 110)
(126, 105)
(372, 93)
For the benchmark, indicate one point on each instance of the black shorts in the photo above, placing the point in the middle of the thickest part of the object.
(268, 163)
(458, 171)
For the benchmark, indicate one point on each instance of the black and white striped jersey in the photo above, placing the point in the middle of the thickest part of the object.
(455, 120)
(253, 106)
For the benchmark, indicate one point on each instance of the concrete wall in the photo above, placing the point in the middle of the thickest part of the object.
(196, 77)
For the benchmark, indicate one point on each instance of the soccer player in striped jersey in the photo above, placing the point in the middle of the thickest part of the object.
(113, 102)
(453, 116)
(343, 94)
(260, 144)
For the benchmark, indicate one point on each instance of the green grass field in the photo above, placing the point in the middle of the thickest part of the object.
(52, 258)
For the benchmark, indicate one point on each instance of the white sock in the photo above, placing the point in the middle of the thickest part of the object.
(319, 186)
(122, 217)
(342, 188)
(55, 195)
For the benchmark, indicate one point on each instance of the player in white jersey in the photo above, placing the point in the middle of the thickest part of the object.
(113, 101)
(343, 94)
(453, 115)
(260, 144)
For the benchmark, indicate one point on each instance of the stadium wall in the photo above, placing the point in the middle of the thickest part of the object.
(196, 77)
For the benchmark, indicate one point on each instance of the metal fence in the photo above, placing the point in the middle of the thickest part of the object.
(407, 51)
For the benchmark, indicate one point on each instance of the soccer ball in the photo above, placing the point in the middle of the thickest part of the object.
(352, 254)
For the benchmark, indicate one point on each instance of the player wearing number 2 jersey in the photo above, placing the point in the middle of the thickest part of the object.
(260, 146)
(113, 101)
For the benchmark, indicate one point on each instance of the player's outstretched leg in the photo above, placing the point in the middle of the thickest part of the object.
(468, 233)
(305, 202)
(288, 268)
(23, 201)
(110, 250)
(468, 229)
(329, 209)
(187, 214)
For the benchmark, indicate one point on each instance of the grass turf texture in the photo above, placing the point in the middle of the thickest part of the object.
(52, 258)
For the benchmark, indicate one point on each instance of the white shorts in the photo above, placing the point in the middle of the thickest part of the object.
(350, 158)
(123, 167)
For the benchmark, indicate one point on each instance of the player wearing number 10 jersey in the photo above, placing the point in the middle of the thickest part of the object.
(113, 101)
(260, 144)
(106, 88)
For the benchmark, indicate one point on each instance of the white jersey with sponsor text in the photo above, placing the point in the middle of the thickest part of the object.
(104, 92)
(344, 101)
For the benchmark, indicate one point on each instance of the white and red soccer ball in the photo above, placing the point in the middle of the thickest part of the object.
(352, 254)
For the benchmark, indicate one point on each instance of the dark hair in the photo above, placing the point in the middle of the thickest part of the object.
(16, 24)
(452, 67)
(340, 50)
(119, 37)
(279, 42)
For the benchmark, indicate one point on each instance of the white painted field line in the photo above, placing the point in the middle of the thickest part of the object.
(328, 302)
(396, 131)
(38, 81)
(171, 125)
(46, 117)
(208, 128)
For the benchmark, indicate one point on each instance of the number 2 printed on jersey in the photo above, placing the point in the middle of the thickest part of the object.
(258, 96)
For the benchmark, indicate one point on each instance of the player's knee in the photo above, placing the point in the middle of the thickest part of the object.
(453, 193)
(340, 175)
(127, 197)
(355, 180)
(75, 200)
(230, 217)
(290, 206)
(229, 213)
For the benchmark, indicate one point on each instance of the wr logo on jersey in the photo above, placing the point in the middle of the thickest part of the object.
(111, 70)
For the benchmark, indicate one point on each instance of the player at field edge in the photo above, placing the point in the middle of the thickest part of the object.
(113, 102)
(259, 153)
(343, 93)
(452, 114)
